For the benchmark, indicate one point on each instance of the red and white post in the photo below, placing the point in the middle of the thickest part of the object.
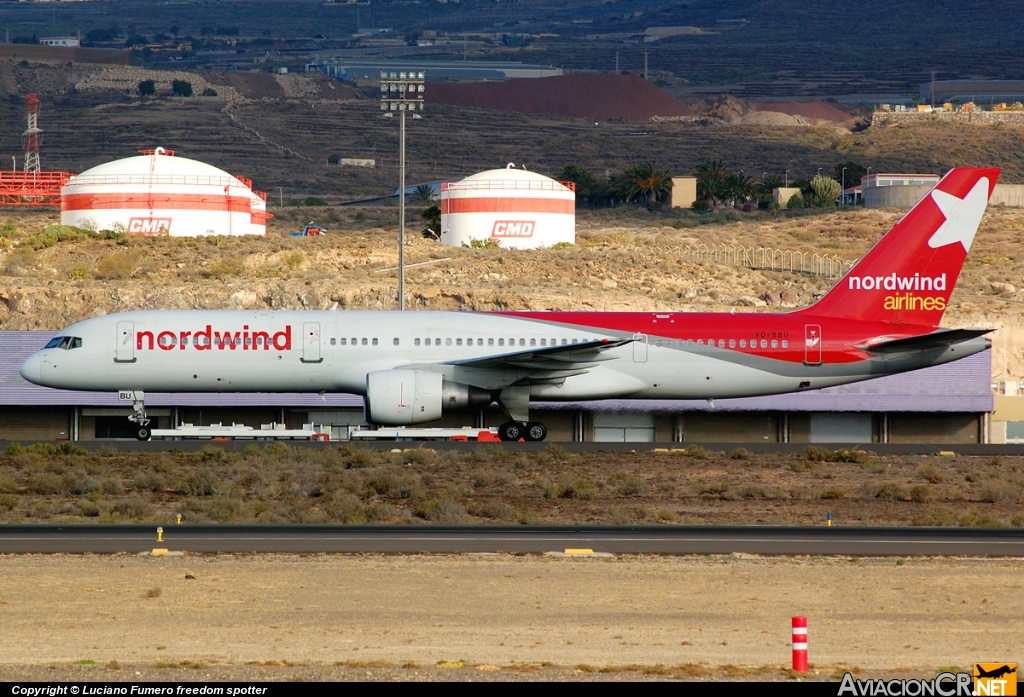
(800, 644)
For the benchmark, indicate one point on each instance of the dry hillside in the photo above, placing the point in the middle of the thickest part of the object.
(624, 259)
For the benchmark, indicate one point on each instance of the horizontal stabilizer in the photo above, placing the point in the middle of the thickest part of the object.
(939, 339)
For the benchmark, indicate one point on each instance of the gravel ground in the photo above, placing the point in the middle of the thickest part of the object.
(480, 617)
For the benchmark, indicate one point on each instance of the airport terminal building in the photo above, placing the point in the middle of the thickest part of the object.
(951, 403)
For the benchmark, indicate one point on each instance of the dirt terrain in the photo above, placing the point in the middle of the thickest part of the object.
(486, 617)
(624, 259)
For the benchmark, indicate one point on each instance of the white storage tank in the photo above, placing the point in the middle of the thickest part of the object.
(156, 193)
(510, 207)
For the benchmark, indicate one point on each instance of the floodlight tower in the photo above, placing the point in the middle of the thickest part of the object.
(32, 133)
(401, 91)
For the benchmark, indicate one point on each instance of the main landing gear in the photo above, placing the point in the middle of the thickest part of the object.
(138, 415)
(529, 431)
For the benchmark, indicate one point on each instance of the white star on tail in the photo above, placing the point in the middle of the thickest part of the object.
(962, 216)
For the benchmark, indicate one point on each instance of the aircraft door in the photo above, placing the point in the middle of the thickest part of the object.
(125, 352)
(812, 344)
(639, 348)
(311, 342)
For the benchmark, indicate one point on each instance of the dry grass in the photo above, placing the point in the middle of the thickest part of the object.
(350, 484)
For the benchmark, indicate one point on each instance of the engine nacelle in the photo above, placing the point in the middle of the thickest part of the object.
(403, 397)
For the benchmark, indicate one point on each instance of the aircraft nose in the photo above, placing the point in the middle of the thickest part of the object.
(30, 369)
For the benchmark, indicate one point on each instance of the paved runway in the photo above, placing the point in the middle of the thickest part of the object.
(401, 539)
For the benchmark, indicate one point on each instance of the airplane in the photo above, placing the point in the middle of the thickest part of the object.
(882, 317)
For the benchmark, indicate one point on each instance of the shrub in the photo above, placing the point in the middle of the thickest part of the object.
(491, 453)
(579, 489)
(696, 451)
(664, 515)
(89, 509)
(440, 511)
(112, 485)
(197, 484)
(117, 265)
(833, 493)
(998, 492)
(314, 201)
(149, 481)
(43, 448)
(741, 454)
(147, 88)
(931, 474)
(135, 508)
(13, 449)
(211, 454)
(8, 502)
(627, 485)
(45, 484)
(919, 493)
(182, 88)
(209, 92)
(418, 456)
(816, 454)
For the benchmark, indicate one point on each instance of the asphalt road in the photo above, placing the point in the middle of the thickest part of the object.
(398, 539)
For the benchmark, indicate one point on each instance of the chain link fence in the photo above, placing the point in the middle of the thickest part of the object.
(769, 259)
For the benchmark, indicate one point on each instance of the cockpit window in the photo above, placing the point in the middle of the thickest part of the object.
(65, 342)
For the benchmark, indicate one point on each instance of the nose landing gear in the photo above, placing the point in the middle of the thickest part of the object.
(138, 415)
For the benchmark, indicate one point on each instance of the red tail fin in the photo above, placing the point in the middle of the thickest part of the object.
(909, 274)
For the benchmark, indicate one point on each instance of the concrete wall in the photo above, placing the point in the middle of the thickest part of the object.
(684, 192)
(35, 423)
(782, 195)
(934, 428)
(1009, 195)
(730, 427)
(893, 196)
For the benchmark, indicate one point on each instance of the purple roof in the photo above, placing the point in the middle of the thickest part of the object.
(960, 386)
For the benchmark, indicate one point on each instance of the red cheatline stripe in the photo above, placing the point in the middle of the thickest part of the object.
(198, 202)
(507, 205)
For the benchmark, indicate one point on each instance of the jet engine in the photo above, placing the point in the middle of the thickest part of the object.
(402, 397)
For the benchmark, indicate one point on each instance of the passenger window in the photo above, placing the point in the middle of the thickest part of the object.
(543, 342)
(355, 341)
(415, 342)
(333, 340)
(564, 342)
(574, 341)
(374, 341)
(721, 343)
(732, 343)
(743, 343)
(427, 341)
(501, 342)
(764, 344)
(448, 342)
(775, 344)
(458, 342)
(533, 342)
(490, 342)
(248, 341)
(689, 342)
(395, 341)
(522, 342)
(437, 342)
(700, 342)
(364, 341)
(343, 341)
(785, 343)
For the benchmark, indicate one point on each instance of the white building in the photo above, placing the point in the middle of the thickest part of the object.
(67, 41)
(159, 194)
(510, 207)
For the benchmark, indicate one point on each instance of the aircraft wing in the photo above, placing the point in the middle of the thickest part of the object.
(555, 361)
(938, 339)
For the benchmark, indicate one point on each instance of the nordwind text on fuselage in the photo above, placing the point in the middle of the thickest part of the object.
(207, 339)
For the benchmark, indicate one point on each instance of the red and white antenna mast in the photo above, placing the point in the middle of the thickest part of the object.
(32, 133)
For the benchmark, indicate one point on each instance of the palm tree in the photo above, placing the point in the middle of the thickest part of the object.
(737, 188)
(423, 193)
(431, 215)
(649, 182)
(710, 182)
